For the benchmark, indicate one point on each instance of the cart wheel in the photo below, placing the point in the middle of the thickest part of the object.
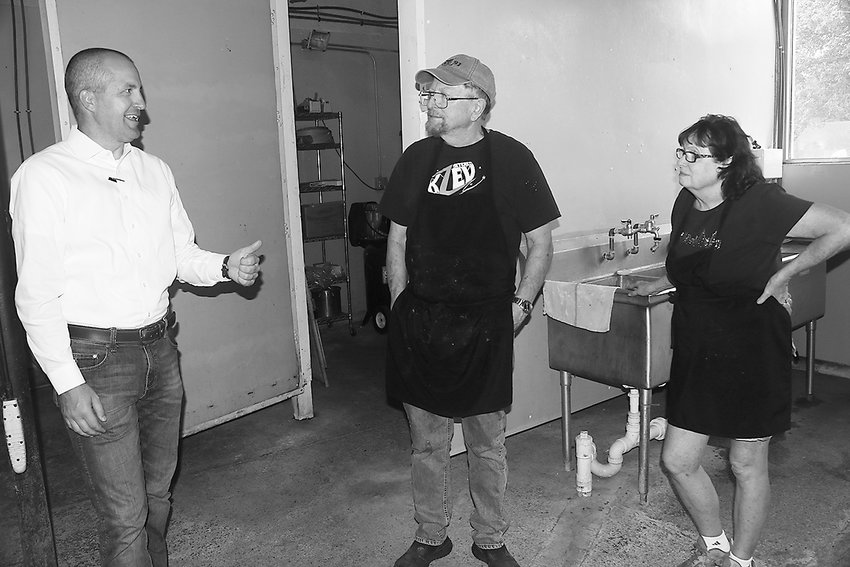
(381, 319)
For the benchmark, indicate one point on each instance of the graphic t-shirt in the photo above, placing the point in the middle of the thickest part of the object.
(699, 231)
(746, 249)
(456, 250)
(522, 195)
(456, 178)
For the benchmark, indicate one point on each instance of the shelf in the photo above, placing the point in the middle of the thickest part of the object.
(313, 116)
(341, 279)
(323, 238)
(325, 320)
(320, 185)
(324, 219)
(325, 146)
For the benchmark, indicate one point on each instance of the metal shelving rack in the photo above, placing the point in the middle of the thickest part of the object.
(320, 186)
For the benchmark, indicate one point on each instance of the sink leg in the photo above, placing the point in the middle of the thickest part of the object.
(643, 472)
(810, 358)
(566, 417)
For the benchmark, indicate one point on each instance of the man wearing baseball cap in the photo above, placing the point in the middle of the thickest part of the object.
(460, 202)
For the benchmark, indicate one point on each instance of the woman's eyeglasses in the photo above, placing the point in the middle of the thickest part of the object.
(690, 157)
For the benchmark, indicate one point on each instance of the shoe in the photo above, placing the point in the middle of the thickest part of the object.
(499, 557)
(729, 562)
(704, 557)
(421, 554)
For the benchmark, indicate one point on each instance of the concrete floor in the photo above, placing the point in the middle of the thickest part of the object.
(334, 491)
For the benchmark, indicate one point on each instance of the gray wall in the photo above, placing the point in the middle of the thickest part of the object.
(208, 77)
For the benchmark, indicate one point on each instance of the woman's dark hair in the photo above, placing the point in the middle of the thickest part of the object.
(724, 136)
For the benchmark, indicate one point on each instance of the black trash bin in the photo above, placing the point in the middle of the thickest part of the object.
(377, 290)
(368, 228)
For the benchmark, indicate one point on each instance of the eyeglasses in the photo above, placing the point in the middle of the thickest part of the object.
(690, 157)
(440, 99)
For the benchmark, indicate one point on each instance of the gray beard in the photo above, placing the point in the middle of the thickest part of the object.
(434, 128)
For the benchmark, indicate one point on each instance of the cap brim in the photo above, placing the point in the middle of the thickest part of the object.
(443, 75)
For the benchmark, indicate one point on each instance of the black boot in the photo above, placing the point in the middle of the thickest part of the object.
(421, 555)
(499, 557)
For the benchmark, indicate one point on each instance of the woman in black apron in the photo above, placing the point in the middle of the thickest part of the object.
(731, 370)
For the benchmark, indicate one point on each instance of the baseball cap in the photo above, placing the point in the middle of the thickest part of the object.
(460, 69)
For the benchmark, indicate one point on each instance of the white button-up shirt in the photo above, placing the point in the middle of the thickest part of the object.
(98, 241)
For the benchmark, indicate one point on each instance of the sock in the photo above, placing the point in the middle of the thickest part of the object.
(720, 542)
(741, 562)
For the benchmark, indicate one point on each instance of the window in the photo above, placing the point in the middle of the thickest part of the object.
(818, 127)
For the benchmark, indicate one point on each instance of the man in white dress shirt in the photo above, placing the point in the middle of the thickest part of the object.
(100, 234)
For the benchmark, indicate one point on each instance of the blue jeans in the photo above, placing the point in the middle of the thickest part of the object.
(128, 469)
(431, 439)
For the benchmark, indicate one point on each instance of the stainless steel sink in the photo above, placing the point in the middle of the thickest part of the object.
(808, 289)
(634, 352)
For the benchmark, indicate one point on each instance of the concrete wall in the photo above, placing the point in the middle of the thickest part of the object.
(599, 91)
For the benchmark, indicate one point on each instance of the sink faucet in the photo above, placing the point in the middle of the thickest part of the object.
(649, 227)
(625, 230)
(633, 230)
(609, 254)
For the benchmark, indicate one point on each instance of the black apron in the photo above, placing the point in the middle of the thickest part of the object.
(450, 347)
(731, 370)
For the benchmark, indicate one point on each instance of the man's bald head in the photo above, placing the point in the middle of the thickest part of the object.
(86, 71)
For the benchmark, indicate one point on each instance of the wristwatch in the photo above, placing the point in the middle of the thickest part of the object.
(524, 304)
(224, 270)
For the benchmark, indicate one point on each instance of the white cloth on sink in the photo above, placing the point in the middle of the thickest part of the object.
(583, 305)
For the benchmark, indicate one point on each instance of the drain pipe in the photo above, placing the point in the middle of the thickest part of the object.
(586, 463)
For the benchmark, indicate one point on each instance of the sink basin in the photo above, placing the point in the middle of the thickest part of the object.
(626, 279)
(634, 352)
(807, 289)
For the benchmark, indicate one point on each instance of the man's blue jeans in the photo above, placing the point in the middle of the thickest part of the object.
(128, 469)
(431, 439)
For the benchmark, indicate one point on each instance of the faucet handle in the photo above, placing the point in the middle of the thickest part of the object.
(649, 225)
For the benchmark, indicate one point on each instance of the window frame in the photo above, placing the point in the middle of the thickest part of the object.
(785, 93)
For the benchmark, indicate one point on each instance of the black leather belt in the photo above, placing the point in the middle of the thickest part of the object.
(146, 334)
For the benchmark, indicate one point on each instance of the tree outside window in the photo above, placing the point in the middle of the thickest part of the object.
(820, 81)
